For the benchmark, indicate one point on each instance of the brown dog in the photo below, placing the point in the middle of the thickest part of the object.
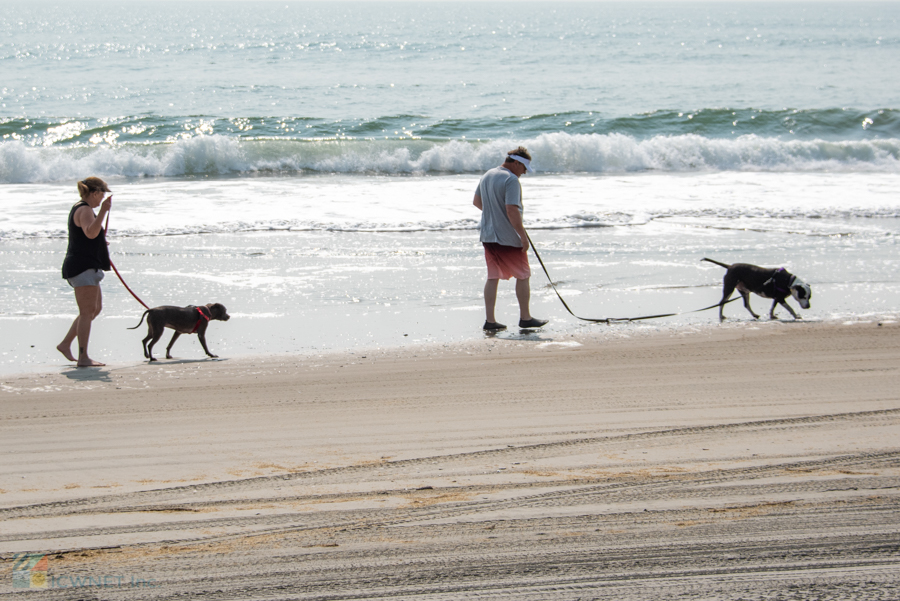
(184, 320)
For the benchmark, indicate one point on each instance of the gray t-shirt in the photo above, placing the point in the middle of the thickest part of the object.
(498, 188)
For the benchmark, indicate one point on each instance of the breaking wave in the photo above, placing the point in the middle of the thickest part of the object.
(219, 155)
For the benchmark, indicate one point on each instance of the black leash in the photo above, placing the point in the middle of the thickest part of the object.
(609, 320)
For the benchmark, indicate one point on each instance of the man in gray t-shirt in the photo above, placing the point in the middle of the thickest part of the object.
(499, 198)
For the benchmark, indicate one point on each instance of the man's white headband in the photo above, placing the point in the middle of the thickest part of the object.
(522, 160)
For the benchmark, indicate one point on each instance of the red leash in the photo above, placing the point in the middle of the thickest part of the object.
(120, 275)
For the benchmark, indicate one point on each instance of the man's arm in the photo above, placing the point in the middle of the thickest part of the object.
(477, 202)
(515, 219)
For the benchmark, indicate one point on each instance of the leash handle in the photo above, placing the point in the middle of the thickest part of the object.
(113, 265)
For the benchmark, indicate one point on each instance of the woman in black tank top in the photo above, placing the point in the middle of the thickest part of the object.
(87, 257)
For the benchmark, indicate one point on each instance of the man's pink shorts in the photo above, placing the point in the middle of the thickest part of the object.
(504, 262)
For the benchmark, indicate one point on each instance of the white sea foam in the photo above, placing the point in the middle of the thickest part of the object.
(566, 344)
(217, 155)
(830, 204)
(208, 155)
(612, 153)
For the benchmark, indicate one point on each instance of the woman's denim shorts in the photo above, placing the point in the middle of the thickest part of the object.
(90, 277)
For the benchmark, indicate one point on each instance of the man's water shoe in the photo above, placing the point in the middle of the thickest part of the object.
(493, 326)
(532, 323)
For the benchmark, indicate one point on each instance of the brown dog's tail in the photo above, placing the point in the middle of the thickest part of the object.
(141, 321)
(717, 263)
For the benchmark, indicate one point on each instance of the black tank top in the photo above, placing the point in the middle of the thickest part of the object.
(84, 253)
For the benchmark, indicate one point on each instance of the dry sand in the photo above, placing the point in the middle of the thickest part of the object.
(748, 462)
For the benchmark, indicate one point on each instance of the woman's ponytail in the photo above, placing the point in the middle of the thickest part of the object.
(91, 184)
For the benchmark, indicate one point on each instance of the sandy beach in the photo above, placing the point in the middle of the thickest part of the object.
(745, 462)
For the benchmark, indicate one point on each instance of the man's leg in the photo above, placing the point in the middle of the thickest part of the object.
(523, 294)
(490, 299)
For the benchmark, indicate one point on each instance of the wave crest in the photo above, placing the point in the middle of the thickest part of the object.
(219, 155)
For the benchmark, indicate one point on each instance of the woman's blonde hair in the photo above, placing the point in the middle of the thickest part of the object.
(91, 184)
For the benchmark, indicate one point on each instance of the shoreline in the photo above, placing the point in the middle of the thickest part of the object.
(574, 333)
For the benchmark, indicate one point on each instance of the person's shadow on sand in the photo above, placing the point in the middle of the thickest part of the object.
(531, 335)
(88, 374)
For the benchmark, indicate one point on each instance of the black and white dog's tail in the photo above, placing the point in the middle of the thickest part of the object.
(141, 321)
(717, 263)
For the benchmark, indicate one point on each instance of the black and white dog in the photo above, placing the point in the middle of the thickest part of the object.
(777, 284)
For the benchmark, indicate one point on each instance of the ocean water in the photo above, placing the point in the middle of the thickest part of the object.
(312, 165)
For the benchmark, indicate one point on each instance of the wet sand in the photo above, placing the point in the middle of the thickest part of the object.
(749, 462)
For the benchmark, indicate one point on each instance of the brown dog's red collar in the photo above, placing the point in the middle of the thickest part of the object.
(199, 321)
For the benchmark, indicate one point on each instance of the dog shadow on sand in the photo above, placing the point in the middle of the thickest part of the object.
(104, 374)
(167, 362)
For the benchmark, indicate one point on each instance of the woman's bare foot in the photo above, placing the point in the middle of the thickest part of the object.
(88, 362)
(66, 351)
